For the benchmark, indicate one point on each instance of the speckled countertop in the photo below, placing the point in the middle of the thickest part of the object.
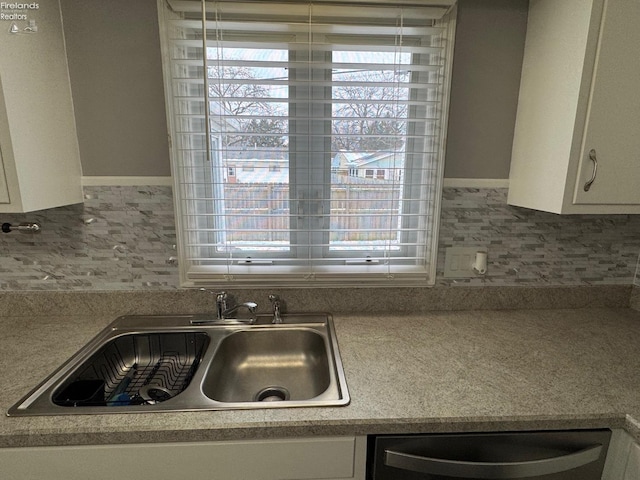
(451, 371)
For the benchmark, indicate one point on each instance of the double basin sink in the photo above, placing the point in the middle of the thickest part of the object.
(189, 362)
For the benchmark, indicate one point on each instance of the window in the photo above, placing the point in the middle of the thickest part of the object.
(350, 103)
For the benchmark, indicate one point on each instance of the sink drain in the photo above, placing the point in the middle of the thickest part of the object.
(272, 394)
(153, 394)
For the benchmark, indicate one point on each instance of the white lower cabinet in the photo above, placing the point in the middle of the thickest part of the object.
(336, 458)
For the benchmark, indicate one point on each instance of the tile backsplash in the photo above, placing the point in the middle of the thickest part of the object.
(123, 238)
(529, 247)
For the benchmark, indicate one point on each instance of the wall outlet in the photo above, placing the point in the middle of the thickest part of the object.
(459, 262)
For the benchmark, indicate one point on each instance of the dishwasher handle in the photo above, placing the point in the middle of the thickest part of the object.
(494, 470)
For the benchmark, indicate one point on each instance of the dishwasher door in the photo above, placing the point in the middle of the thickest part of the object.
(553, 455)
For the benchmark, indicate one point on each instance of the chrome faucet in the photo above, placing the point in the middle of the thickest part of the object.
(250, 306)
(275, 304)
(223, 310)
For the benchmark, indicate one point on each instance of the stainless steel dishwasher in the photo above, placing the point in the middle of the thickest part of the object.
(549, 455)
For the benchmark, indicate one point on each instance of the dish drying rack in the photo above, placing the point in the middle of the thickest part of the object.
(170, 375)
(136, 370)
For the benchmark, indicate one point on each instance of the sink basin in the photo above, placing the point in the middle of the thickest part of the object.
(269, 365)
(190, 362)
(134, 369)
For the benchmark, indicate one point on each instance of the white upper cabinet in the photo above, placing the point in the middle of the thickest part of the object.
(4, 189)
(38, 141)
(579, 104)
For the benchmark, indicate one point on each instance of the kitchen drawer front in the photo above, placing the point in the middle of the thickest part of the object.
(290, 459)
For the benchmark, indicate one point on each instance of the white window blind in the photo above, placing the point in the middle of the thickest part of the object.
(307, 140)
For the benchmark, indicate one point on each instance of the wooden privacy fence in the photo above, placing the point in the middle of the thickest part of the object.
(258, 212)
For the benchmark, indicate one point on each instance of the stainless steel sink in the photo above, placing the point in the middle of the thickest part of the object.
(273, 364)
(190, 362)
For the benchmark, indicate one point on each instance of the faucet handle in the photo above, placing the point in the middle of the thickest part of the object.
(221, 301)
(221, 297)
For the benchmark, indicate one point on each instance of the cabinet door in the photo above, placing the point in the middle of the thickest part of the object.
(613, 119)
(334, 458)
(4, 190)
(37, 124)
(632, 471)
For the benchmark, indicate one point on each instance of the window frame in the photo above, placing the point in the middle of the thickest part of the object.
(200, 276)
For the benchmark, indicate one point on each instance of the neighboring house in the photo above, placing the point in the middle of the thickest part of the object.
(372, 165)
(256, 165)
(271, 165)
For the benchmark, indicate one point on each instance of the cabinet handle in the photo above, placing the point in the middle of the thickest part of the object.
(505, 470)
(594, 159)
(22, 227)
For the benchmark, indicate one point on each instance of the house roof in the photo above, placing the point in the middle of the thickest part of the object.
(359, 159)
